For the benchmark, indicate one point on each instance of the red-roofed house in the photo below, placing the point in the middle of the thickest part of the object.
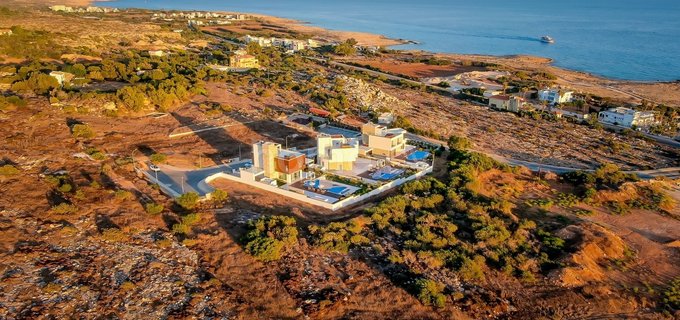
(319, 112)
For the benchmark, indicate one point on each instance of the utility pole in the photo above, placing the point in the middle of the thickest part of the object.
(182, 184)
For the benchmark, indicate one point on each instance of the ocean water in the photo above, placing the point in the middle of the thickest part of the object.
(621, 39)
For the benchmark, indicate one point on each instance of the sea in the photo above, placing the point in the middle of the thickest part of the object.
(619, 39)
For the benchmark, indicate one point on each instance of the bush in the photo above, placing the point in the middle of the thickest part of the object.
(65, 188)
(268, 237)
(123, 195)
(157, 158)
(429, 292)
(114, 235)
(459, 143)
(154, 208)
(671, 296)
(188, 201)
(8, 170)
(219, 196)
(82, 131)
(339, 236)
(64, 208)
(472, 269)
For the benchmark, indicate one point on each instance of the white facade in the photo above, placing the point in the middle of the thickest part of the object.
(386, 118)
(626, 117)
(555, 96)
(337, 152)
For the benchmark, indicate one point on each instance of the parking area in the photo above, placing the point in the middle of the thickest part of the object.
(178, 181)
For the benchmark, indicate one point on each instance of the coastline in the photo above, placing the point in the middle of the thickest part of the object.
(379, 40)
(634, 91)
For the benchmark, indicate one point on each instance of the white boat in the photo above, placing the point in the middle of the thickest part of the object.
(547, 39)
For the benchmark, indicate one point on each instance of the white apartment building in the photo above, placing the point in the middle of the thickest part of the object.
(336, 152)
(555, 96)
(626, 117)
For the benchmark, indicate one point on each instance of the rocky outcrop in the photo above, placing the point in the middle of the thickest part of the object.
(365, 95)
(63, 270)
(594, 245)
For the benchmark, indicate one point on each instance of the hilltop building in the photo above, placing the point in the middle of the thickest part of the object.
(336, 152)
(277, 163)
(240, 59)
(626, 117)
(62, 77)
(506, 102)
(555, 96)
(383, 141)
(156, 53)
(386, 118)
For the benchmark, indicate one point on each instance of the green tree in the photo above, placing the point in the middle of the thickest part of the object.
(346, 48)
(157, 158)
(429, 292)
(253, 48)
(219, 196)
(188, 201)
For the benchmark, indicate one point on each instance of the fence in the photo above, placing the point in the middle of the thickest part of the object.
(332, 206)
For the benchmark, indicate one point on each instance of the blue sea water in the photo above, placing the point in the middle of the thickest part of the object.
(622, 39)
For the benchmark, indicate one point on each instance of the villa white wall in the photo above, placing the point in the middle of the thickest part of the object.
(332, 206)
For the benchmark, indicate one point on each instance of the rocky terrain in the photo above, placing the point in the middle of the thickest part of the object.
(84, 235)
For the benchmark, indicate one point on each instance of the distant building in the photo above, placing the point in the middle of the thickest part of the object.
(336, 152)
(5, 32)
(156, 53)
(319, 112)
(61, 7)
(555, 96)
(383, 141)
(386, 118)
(626, 117)
(506, 102)
(62, 77)
(240, 59)
(262, 41)
(277, 163)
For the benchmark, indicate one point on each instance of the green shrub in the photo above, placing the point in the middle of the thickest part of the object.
(154, 208)
(181, 228)
(82, 131)
(268, 237)
(66, 187)
(188, 201)
(157, 158)
(671, 296)
(219, 196)
(8, 170)
(472, 269)
(123, 195)
(95, 154)
(114, 235)
(429, 292)
(64, 208)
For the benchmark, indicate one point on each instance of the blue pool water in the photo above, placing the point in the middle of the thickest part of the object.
(624, 39)
(339, 190)
(418, 155)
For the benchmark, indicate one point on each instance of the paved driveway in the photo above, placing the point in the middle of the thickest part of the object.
(178, 181)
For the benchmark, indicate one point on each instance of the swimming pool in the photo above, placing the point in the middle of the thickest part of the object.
(418, 156)
(339, 190)
(386, 173)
